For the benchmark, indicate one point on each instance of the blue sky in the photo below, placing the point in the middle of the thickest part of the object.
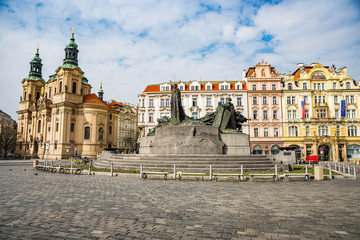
(130, 44)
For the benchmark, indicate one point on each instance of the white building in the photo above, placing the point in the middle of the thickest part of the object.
(198, 98)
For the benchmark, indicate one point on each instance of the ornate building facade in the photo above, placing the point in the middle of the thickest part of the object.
(198, 98)
(265, 109)
(127, 133)
(321, 113)
(59, 118)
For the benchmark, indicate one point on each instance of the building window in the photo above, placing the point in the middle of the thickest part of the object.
(222, 100)
(87, 133)
(239, 101)
(275, 150)
(266, 132)
(336, 99)
(307, 114)
(264, 100)
(274, 100)
(323, 131)
(352, 99)
(194, 88)
(255, 114)
(290, 86)
(254, 100)
(194, 102)
(273, 87)
(195, 115)
(60, 87)
(348, 86)
(39, 126)
(275, 114)
(72, 127)
(162, 102)
(101, 134)
(110, 130)
(338, 131)
(25, 96)
(151, 117)
(181, 88)
(347, 99)
(257, 149)
(256, 132)
(74, 87)
(305, 86)
(265, 114)
(208, 102)
(55, 147)
(306, 100)
(263, 87)
(290, 100)
(208, 87)
(254, 87)
(57, 127)
(276, 132)
(336, 113)
(293, 131)
(334, 85)
(307, 131)
(151, 102)
(167, 102)
(323, 113)
(352, 131)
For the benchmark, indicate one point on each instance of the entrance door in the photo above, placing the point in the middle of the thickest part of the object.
(324, 153)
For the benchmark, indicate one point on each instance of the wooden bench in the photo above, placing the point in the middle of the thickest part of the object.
(287, 175)
(238, 175)
(181, 174)
(264, 175)
(144, 174)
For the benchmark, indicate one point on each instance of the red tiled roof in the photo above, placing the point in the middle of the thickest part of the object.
(92, 98)
(215, 86)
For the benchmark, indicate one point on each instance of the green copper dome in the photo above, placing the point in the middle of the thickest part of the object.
(72, 43)
(37, 59)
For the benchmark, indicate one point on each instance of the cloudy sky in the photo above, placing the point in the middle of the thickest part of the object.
(131, 44)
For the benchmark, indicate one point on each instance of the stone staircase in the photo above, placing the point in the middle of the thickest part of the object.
(187, 163)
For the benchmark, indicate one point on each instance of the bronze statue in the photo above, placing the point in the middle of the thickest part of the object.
(177, 112)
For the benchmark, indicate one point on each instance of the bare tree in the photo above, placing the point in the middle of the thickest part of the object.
(7, 139)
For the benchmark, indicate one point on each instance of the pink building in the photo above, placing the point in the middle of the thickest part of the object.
(265, 115)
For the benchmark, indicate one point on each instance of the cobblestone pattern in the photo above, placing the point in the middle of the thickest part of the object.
(58, 206)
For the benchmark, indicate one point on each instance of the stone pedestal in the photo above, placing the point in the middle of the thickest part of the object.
(236, 143)
(318, 173)
(194, 140)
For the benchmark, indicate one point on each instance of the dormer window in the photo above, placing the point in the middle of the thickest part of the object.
(290, 86)
(194, 86)
(348, 85)
(208, 86)
(224, 86)
(238, 86)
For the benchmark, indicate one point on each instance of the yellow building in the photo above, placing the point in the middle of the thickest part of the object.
(320, 109)
(60, 118)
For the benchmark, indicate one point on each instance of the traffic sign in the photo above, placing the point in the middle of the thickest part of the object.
(321, 149)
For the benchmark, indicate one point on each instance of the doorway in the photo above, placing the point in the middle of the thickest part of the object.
(325, 153)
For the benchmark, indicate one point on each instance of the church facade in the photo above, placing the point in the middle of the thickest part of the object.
(60, 117)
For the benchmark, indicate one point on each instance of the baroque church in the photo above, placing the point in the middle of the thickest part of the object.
(60, 117)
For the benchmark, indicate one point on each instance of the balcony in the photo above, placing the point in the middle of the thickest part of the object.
(320, 104)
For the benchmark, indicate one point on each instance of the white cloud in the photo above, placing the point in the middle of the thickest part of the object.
(130, 44)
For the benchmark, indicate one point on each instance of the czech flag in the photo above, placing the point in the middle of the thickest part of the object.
(303, 109)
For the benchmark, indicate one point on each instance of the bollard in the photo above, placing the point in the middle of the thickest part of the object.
(112, 169)
(330, 172)
(242, 172)
(276, 172)
(355, 172)
(90, 168)
(334, 166)
(175, 171)
(35, 163)
(348, 168)
(306, 169)
(210, 173)
(141, 170)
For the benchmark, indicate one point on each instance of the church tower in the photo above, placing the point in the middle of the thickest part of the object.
(101, 92)
(71, 52)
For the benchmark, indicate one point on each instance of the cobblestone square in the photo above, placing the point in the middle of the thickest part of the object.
(58, 206)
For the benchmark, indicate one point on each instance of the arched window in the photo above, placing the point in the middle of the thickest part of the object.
(348, 85)
(74, 87)
(25, 96)
(275, 150)
(334, 85)
(353, 151)
(323, 131)
(257, 149)
(37, 95)
(50, 93)
(352, 131)
(82, 91)
(87, 133)
(39, 126)
(338, 131)
(60, 87)
(72, 127)
(110, 129)
(101, 133)
(290, 86)
(293, 131)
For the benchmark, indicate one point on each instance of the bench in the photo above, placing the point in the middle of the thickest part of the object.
(287, 175)
(144, 174)
(238, 175)
(273, 176)
(181, 174)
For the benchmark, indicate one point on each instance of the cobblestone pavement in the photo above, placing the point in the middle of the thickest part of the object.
(57, 206)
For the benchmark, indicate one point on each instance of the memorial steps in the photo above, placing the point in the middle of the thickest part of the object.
(193, 163)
